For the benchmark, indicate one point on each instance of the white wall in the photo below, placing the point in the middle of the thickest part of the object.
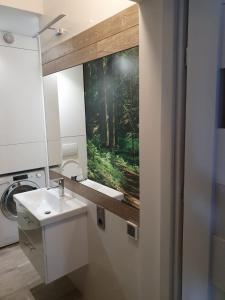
(150, 147)
(35, 6)
(112, 272)
(81, 15)
(17, 21)
(201, 108)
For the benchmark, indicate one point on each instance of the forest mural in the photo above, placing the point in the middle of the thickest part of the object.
(112, 121)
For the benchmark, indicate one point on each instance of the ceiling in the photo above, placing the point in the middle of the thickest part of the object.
(18, 21)
(78, 17)
(34, 6)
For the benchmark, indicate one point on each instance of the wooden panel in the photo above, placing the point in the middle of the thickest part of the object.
(121, 41)
(116, 207)
(118, 23)
(70, 60)
(58, 51)
(113, 35)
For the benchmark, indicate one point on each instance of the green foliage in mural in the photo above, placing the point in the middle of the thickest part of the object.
(112, 121)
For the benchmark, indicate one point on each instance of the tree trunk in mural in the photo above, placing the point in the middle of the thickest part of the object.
(87, 89)
(112, 121)
(111, 103)
(103, 104)
(132, 118)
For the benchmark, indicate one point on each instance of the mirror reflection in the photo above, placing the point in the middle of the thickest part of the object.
(92, 124)
(65, 122)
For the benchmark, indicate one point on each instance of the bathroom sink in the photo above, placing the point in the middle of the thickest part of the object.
(53, 231)
(47, 206)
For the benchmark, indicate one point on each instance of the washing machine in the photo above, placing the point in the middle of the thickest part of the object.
(10, 185)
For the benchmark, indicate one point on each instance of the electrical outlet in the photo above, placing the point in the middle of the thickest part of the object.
(132, 230)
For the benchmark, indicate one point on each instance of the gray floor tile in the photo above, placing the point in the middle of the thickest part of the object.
(22, 294)
(20, 281)
(10, 282)
(56, 290)
(29, 275)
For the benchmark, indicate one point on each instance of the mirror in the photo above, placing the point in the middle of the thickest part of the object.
(92, 122)
(65, 122)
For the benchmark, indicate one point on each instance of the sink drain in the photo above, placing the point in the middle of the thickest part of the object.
(47, 212)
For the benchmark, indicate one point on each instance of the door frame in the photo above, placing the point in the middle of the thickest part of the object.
(162, 105)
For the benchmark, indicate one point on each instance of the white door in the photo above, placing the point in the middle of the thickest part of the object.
(203, 70)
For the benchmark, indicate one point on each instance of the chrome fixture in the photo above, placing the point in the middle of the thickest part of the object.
(60, 186)
(49, 26)
(8, 37)
(58, 31)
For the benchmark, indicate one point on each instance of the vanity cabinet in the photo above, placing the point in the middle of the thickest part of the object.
(56, 249)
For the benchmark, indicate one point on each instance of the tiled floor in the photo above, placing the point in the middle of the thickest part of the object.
(20, 281)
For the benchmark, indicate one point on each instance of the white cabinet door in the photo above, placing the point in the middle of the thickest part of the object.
(21, 157)
(52, 119)
(21, 113)
(71, 102)
(51, 107)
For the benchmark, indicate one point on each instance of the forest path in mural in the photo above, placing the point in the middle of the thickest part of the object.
(131, 184)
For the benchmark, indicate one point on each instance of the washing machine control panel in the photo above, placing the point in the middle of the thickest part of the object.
(20, 177)
(26, 176)
(38, 175)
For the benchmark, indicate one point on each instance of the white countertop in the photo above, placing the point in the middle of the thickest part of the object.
(103, 189)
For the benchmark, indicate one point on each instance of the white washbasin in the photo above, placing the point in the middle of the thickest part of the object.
(48, 207)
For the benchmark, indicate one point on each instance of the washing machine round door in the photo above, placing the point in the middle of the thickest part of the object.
(8, 205)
